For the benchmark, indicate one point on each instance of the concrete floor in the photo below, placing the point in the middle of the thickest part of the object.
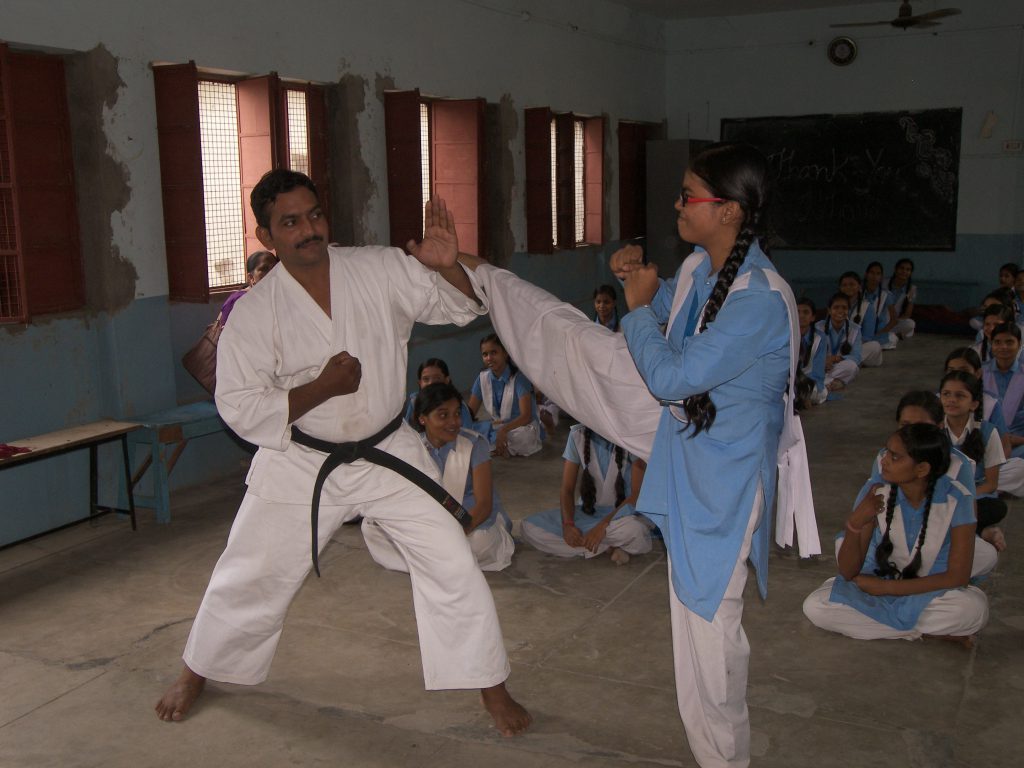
(93, 620)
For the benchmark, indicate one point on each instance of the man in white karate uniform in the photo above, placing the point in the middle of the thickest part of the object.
(321, 345)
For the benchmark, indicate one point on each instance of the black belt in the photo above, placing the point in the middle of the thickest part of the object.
(346, 453)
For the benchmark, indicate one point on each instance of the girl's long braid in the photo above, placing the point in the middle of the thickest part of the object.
(857, 318)
(910, 572)
(847, 347)
(806, 345)
(700, 410)
(588, 491)
(984, 348)
(620, 481)
(885, 567)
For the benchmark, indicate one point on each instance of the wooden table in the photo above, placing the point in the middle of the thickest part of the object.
(84, 436)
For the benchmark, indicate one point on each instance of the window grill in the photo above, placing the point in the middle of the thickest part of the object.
(577, 180)
(425, 159)
(298, 135)
(218, 132)
(554, 184)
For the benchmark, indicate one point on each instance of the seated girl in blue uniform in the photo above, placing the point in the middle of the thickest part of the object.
(842, 344)
(507, 395)
(862, 313)
(596, 513)
(991, 316)
(902, 295)
(606, 308)
(961, 397)
(905, 561)
(923, 407)
(1003, 379)
(464, 460)
(876, 293)
(812, 351)
(435, 371)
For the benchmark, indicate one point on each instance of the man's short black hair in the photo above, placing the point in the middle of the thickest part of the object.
(272, 184)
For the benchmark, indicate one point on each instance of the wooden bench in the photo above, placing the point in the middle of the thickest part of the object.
(84, 436)
(166, 433)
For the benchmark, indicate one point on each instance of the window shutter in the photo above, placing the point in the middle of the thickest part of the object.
(537, 141)
(181, 180)
(457, 146)
(40, 168)
(258, 99)
(402, 133)
(593, 179)
(565, 178)
(12, 288)
(316, 120)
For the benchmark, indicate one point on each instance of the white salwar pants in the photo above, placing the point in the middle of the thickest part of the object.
(237, 628)
(844, 371)
(1011, 477)
(956, 612)
(630, 533)
(492, 547)
(711, 661)
(870, 354)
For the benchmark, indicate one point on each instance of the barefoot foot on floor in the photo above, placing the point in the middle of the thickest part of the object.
(180, 697)
(510, 717)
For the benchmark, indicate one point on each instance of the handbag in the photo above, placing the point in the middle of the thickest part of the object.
(201, 359)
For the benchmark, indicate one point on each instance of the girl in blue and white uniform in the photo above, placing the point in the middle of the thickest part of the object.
(706, 400)
(961, 396)
(464, 461)
(876, 293)
(905, 561)
(435, 371)
(812, 351)
(508, 396)
(903, 295)
(606, 307)
(862, 313)
(842, 343)
(600, 484)
(1003, 378)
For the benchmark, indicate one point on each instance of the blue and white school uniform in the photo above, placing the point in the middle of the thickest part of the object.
(467, 415)
(881, 301)
(814, 369)
(1008, 387)
(747, 360)
(841, 606)
(613, 325)
(863, 314)
(491, 541)
(962, 471)
(846, 369)
(627, 530)
(900, 297)
(500, 396)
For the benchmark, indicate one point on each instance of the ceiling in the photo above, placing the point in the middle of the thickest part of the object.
(692, 9)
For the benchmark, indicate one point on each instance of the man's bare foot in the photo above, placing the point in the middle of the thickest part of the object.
(510, 718)
(178, 699)
(993, 534)
(619, 556)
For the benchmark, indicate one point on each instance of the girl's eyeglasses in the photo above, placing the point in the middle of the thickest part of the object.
(685, 199)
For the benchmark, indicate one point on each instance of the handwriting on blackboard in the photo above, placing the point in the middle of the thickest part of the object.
(867, 181)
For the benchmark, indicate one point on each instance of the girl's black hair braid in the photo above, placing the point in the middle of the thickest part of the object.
(847, 347)
(588, 491)
(620, 481)
(910, 572)
(700, 410)
(885, 567)
(806, 346)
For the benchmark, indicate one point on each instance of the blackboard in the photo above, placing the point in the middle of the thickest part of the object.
(871, 181)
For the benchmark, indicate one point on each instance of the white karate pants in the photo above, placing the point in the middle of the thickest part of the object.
(237, 628)
(956, 612)
(630, 533)
(492, 547)
(1011, 477)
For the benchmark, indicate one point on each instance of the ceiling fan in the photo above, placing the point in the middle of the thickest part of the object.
(906, 18)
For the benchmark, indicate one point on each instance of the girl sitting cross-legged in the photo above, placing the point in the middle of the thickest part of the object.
(905, 561)
(604, 518)
(842, 343)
